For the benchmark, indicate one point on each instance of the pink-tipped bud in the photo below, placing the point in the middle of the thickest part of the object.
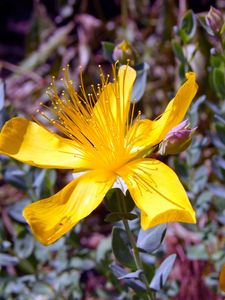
(177, 139)
(214, 19)
(123, 52)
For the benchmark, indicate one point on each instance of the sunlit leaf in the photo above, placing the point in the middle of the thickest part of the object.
(15, 210)
(132, 275)
(193, 112)
(162, 273)
(188, 26)
(149, 240)
(15, 177)
(24, 246)
(136, 284)
(217, 189)
(140, 82)
(197, 252)
(108, 51)
(200, 179)
(8, 260)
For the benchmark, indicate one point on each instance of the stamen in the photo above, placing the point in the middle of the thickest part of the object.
(94, 121)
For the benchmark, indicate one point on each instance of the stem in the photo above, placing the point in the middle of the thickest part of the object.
(124, 12)
(137, 259)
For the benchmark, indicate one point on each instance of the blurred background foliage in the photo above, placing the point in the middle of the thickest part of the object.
(163, 40)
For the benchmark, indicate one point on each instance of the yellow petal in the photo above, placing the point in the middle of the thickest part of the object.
(157, 192)
(52, 217)
(222, 278)
(149, 133)
(114, 100)
(30, 143)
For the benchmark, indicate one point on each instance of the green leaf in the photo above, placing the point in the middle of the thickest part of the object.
(148, 259)
(43, 288)
(15, 210)
(112, 200)
(197, 252)
(193, 114)
(39, 178)
(114, 217)
(217, 189)
(182, 69)
(24, 246)
(15, 177)
(132, 275)
(26, 266)
(8, 260)
(217, 142)
(119, 272)
(181, 169)
(200, 179)
(217, 60)
(195, 150)
(48, 183)
(3, 116)
(129, 202)
(162, 273)
(108, 51)
(82, 263)
(15, 287)
(203, 202)
(220, 162)
(202, 21)
(178, 51)
(68, 279)
(149, 240)
(220, 129)
(115, 201)
(221, 218)
(188, 26)
(219, 82)
(103, 247)
(140, 81)
(121, 247)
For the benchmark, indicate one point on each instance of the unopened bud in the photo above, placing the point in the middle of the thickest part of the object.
(214, 19)
(177, 139)
(123, 52)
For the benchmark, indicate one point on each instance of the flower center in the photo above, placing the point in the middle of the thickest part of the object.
(96, 122)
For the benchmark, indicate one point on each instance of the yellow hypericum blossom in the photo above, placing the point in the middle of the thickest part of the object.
(102, 140)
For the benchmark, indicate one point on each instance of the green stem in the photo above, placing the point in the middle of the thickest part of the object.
(137, 259)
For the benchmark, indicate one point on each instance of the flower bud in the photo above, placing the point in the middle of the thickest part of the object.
(214, 19)
(177, 139)
(123, 52)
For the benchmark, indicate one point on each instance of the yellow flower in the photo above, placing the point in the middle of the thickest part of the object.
(101, 139)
